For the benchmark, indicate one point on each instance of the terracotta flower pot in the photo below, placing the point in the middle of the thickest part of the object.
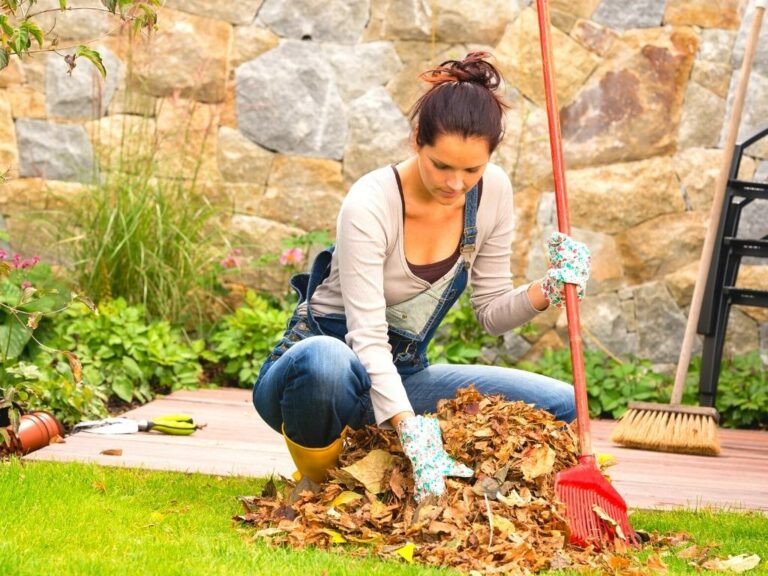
(37, 429)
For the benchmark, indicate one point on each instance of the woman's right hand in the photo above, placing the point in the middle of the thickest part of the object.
(423, 444)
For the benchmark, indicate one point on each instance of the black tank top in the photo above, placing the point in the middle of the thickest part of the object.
(436, 270)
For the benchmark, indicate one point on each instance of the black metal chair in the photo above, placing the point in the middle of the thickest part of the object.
(720, 293)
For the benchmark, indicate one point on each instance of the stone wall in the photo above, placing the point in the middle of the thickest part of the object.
(292, 101)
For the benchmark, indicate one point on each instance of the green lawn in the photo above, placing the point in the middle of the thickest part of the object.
(74, 519)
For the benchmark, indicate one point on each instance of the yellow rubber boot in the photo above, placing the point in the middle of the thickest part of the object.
(314, 463)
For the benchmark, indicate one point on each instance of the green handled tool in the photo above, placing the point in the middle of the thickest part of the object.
(174, 424)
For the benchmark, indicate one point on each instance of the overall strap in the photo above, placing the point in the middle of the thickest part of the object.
(321, 267)
(470, 225)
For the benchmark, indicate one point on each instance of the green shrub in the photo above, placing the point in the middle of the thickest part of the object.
(243, 339)
(742, 391)
(131, 358)
(742, 394)
(48, 385)
(610, 385)
(460, 339)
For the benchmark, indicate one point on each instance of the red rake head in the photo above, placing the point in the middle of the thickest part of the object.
(596, 512)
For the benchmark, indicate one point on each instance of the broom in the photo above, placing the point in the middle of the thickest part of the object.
(595, 511)
(673, 427)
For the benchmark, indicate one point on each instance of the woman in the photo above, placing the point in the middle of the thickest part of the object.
(410, 238)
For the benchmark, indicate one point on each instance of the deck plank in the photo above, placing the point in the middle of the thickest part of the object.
(236, 441)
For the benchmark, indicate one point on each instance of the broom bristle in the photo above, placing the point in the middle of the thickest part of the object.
(582, 489)
(663, 429)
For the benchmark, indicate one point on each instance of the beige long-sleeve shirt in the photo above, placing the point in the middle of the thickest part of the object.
(369, 272)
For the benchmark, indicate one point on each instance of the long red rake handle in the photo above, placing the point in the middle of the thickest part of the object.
(564, 225)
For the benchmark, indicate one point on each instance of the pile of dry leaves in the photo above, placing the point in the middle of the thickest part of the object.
(506, 519)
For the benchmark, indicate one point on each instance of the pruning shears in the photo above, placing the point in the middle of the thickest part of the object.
(174, 424)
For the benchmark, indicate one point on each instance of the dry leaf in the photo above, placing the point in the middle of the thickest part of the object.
(371, 469)
(345, 498)
(407, 552)
(537, 461)
(655, 563)
(112, 452)
(739, 564)
(75, 366)
(506, 519)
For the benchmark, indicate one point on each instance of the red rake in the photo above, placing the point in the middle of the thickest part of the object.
(596, 512)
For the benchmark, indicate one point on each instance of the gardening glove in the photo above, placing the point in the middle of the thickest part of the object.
(569, 262)
(423, 444)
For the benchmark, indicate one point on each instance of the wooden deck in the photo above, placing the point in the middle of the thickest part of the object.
(237, 442)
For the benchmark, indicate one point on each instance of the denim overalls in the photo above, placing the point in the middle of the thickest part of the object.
(315, 385)
(412, 324)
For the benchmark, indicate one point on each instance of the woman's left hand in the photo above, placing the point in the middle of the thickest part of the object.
(569, 263)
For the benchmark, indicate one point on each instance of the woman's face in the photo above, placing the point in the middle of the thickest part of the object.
(452, 166)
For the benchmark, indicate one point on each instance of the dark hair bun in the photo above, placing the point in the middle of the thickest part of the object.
(474, 68)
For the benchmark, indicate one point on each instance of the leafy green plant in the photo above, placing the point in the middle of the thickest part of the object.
(18, 28)
(127, 356)
(742, 391)
(48, 385)
(243, 339)
(460, 338)
(30, 295)
(742, 394)
(611, 384)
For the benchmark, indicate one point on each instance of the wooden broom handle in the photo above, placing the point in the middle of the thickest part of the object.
(564, 225)
(717, 205)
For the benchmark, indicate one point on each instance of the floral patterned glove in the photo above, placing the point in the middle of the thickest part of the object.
(569, 262)
(423, 444)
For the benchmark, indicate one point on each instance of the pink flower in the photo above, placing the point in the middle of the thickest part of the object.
(292, 256)
(21, 263)
(26, 284)
(29, 262)
(3, 254)
(232, 260)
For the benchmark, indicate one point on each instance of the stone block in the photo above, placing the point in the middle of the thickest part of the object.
(54, 151)
(648, 254)
(377, 134)
(239, 12)
(704, 13)
(622, 15)
(83, 93)
(304, 192)
(452, 21)
(320, 20)
(299, 111)
(187, 56)
(519, 58)
(240, 160)
(9, 152)
(627, 194)
(250, 42)
(702, 118)
(630, 107)
(361, 67)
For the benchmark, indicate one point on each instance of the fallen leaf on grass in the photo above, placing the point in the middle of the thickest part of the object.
(112, 452)
(506, 519)
(406, 552)
(740, 563)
